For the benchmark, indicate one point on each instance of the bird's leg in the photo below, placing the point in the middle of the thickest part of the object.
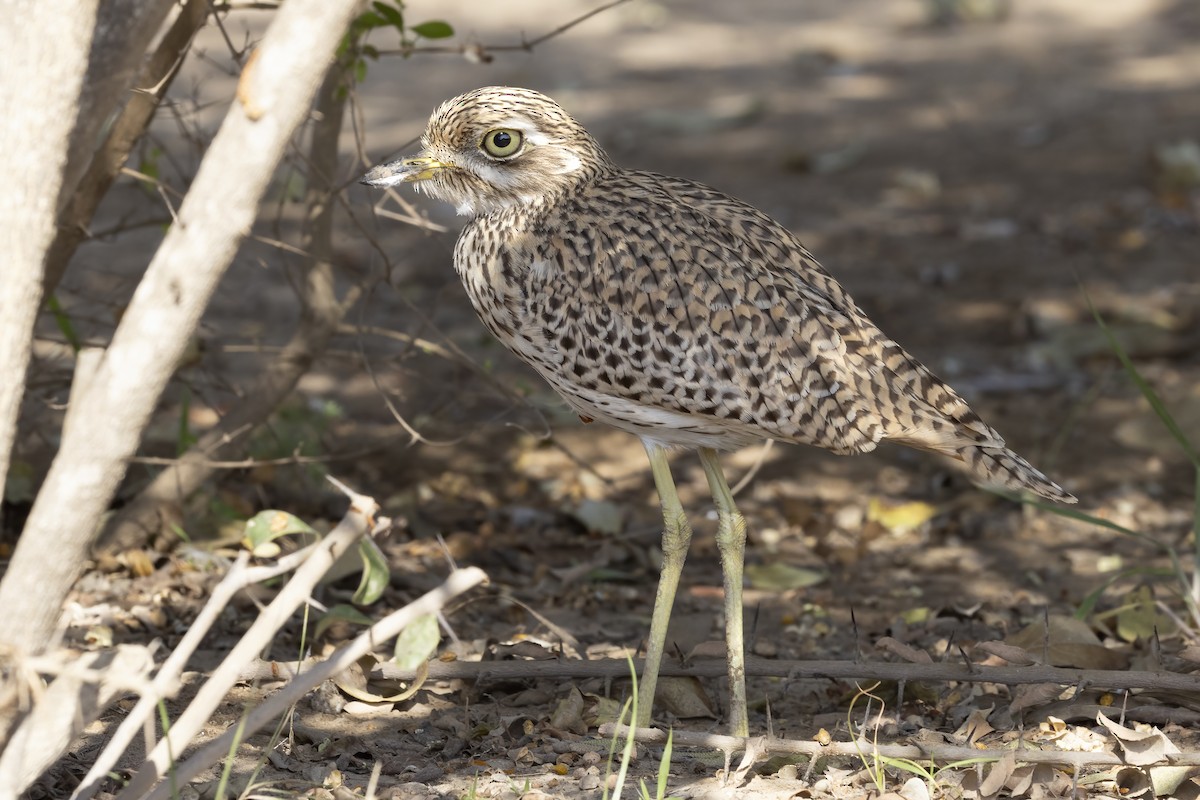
(731, 541)
(677, 535)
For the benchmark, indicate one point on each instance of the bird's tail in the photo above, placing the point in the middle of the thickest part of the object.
(1001, 468)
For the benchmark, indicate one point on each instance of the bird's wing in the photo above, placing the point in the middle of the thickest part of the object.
(669, 294)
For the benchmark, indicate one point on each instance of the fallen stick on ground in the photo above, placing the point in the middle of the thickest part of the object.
(919, 753)
(359, 521)
(387, 628)
(795, 670)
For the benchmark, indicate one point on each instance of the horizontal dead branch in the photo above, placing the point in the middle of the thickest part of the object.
(832, 670)
(912, 752)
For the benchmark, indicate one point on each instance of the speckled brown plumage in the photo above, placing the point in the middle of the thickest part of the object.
(673, 311)
(668, 309)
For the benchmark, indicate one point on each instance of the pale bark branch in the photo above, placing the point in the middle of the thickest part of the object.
(167, 681)
(810, 670)
(864, 748)
(359, 521)
(82, 688)
(385, 629)
(150, 87)
(43, 60)
(169, 678)
(322, 312)
(273, 97)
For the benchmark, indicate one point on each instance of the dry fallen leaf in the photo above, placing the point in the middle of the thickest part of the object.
(1071, 738)
(1066, 642)
(780, 577)
(1145, 746)
(568, 714)
(1140, 618)
(915, 789)
(1007, 652)
(998, 776)
(909, 653)
(899, 518)
(599, 516)
(1032, 695)
(975, 727)
(684, 697)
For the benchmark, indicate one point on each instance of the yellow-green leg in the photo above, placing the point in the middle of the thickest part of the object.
(731, 541)
(677, 535)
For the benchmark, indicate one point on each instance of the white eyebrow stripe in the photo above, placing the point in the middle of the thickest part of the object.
(518, 121)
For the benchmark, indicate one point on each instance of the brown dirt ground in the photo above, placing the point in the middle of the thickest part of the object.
(961, 181)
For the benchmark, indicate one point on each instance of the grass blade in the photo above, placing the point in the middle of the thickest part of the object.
(1156, 403)
(1083, 516)
(664, 767)
(65, 327)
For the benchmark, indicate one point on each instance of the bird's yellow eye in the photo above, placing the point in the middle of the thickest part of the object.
(502, 142)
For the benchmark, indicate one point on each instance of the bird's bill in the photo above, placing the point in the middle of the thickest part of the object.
(404, 170)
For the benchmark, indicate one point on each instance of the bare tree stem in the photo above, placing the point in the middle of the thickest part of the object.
(44, 49)
(274, 93)
(321, 314)
(151, 86)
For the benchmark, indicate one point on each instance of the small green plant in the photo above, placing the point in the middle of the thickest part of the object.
(875, 763)
(664, 770)
(63, 321)
(354, 50)
(265, 527)
(630, 711)
(185, 438)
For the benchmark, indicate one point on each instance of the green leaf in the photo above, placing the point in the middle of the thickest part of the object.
(368, 20)
(267, 526)
(185, 438)
(375, 574)
(391, 14)
(435, 29)
(64, 323)
(417, 642)
(20, 486)
(1139, 618)
(341, 613)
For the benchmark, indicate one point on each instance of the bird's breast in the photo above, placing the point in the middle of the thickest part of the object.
(495, 266)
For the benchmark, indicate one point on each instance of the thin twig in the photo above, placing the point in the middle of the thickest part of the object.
(251, 463)
(754, 468)
(828, 670)
(166, 682)
(526, 45)
(359, 521)
(387, 628)
(913, 752)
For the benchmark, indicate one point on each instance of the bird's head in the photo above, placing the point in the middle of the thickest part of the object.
(495, 148)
